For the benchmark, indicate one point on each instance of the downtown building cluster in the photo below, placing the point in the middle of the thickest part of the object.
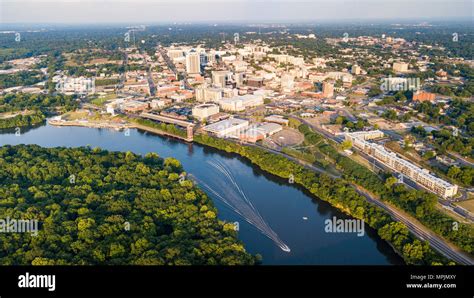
(360, 140)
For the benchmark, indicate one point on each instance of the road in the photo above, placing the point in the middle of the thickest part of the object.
(122, 75)
(461, 159)
(172, 67)
(301, 162)
(320, 130)
(151, 84)
(420, 231)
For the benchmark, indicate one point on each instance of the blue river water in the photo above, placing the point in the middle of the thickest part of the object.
(293, 214)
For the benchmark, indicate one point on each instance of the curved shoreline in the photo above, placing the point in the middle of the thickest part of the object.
(198, 139)
(244, 151)
(116, 126)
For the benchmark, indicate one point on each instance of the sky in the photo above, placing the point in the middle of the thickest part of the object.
(168, 11)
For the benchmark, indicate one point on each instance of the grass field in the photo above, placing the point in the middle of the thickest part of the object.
(103, 99)
(468, 205)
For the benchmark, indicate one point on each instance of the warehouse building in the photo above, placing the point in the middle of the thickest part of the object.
(229, 128)
(260, 132)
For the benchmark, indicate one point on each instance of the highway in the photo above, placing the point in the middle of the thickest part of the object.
(420, 231)
(415, 227)
(460, 159)
(301, 162)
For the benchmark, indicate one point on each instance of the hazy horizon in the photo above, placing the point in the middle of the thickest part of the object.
(227, 11)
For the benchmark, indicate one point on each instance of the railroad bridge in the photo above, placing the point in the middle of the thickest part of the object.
(188, 125)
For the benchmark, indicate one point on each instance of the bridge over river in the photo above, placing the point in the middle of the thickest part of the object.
(164, 119)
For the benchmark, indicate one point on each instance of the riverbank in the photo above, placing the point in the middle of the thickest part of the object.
(346, 207)
(291, 211)
(21, 120)
(115, 126)
(90, 124)
(339, 194)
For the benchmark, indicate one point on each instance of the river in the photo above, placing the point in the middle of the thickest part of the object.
(294, 215)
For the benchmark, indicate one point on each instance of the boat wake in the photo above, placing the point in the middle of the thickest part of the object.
(236, 199)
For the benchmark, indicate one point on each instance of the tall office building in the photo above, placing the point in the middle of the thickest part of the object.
(219, 78)
(328, 89)
(400, 67)
(355, 69)
(287, 82)
(193, 63)
(211, 57)
(203, 58)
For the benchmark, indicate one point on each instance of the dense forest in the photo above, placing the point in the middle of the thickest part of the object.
(169, 128)
(100, 207)
(42, 105)
(340, 194)
(27, 120)
(460, 114)
(22, 78)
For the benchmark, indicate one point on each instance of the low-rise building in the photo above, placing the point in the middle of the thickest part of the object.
(203, 111)
(260, 132)
(134, 106)
(423, 96)
(239, 103)
(229, 128)
(400, 67)
(70, 85)
(277, 119)
(160, 103)
(255, 82)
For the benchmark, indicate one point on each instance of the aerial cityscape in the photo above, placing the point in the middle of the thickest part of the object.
(200, 137)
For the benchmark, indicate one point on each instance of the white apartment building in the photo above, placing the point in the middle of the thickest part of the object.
(391, 160)
(287, 82)
(345, 77)
(281, 58)
(355, 69)
(211, 57)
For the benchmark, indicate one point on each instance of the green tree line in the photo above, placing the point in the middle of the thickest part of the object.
(339, 193)
(99, 207)
(42, 105)
(420, 204)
